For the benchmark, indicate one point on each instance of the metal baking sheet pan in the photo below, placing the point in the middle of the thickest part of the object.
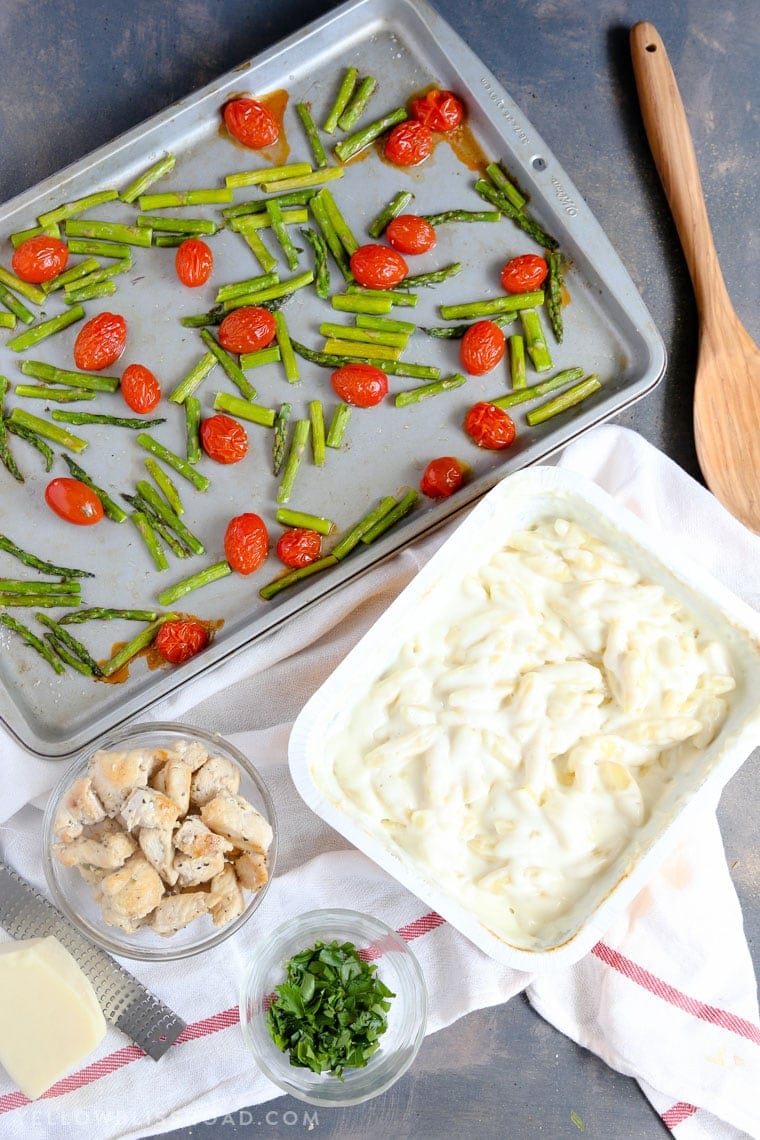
(408, 48)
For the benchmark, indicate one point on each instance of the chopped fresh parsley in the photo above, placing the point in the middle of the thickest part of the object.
(330, 1012)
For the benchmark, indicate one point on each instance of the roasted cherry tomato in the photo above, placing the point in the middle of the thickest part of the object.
(247, 329)
(524, 273)
(40, 258)
(439, 110)
(362, 385)
(140, 389)
(378, 266)
(409, 143)
(482, 347)
(409, 233)
(223, 439)
(299, 547)
(442, 477)
(246, 542)
(193, 262)
(251, 123)
(100, 342)
(73, 501)
(178, 641)
(489, 426)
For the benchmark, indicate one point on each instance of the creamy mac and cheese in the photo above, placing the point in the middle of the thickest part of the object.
(518, 741)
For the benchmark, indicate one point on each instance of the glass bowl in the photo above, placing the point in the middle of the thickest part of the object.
(76, 898)
(397, 967)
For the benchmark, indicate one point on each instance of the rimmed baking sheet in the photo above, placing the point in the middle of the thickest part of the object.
(408, 48)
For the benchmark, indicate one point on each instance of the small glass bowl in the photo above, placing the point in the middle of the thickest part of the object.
(397, 967)
(75, 897)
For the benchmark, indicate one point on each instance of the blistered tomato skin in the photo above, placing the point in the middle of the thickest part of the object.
(438, 110)
(378, 266)
(223, 439)
(410, 234)
(140, 389)
(73, 501)
(247, 329)
(482, 347)
(251, 123)
(178, 641)
(40, 259)
(100, 342)
(489, 426)
(299, 547)
(409, 143)
(525, 273)
(362, 385)
(193, 262)
(442, 477)
(246, 542)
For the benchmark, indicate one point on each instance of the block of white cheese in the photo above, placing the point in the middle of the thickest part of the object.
(50, 1018)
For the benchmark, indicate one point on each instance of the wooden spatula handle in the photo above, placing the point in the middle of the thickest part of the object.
(670, 141)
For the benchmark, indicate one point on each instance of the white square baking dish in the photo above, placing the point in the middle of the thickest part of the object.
(552, 909)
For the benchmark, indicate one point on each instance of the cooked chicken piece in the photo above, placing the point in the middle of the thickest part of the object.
(79, 807)
(173, 779)
(251, 870)
(102, 844)
(217, 775)
(131, 893)
(146, 807)
(226, 898)
(190, 752)
(116, 774)
(113, 917)
(192, 837)
(157, 846)
(175, 911)
(237, 820)
(93, 876)
(192, 872)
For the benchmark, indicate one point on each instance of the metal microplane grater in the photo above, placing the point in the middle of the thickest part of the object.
(25, 913)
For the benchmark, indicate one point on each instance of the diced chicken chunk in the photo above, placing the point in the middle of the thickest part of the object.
(226, 899)
(191, 872)
(131, 893)
(114, 917)
(146, 807)
(93, 876)
(78, 808)
(115, 775)
(102, 844)
(217, 775)
(251, 870)
(190, 752)
(192, 837)
(173, 779)
(174, 912)
(239, 821)
(156, 844)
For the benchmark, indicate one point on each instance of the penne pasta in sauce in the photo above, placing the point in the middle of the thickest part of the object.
(520, 739)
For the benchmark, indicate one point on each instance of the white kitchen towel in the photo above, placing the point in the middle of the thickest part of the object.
(668, 995)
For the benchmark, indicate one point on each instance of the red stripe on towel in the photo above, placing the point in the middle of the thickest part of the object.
(208, 1025)
(102, 1068)
(420, 926)
(699, 1009)
(677, 1114)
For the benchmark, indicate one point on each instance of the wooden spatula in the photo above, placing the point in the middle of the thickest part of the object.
(727, 387)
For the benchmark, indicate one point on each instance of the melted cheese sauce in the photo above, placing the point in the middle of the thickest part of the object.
(518, 742)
